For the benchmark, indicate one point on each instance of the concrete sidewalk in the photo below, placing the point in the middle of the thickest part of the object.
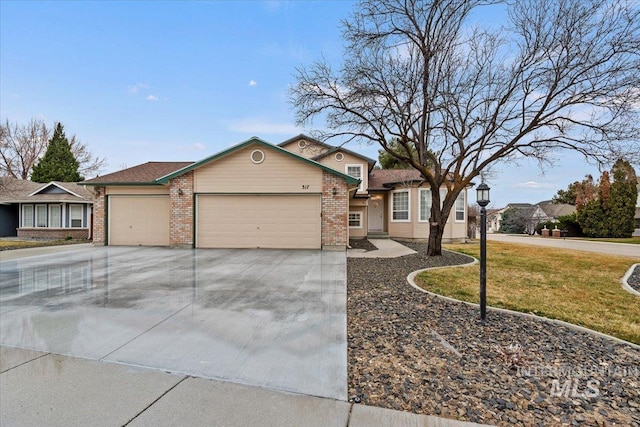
(387, 248)
(47, 389)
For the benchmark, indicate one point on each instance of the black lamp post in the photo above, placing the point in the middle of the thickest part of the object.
(482, 193)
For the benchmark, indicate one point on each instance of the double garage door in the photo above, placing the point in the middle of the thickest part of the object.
(222, 221)
(258, 221)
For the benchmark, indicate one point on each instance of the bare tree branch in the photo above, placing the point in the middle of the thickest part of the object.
(561, 74)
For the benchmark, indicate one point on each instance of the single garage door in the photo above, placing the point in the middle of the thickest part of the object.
(258, 221)
(139, 220)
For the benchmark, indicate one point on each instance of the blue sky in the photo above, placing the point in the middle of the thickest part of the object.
(144, 80)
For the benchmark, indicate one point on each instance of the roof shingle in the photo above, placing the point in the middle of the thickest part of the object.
(145, 173)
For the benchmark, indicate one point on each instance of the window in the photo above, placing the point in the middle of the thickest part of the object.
(400, 206)
(460, 207)
(75, 216)
(27, 215)
(55, 218)
(355, 219)
(355, 171)
(41, 215)
(425, 205)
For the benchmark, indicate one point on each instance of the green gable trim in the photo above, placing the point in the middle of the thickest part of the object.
(257, 141)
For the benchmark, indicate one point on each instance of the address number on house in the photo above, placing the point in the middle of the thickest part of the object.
(305, 186)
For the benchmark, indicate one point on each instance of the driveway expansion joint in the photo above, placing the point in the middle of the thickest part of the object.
(156, 400)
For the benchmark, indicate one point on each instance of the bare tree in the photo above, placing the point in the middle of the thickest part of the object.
(21, 146)
(558, 74)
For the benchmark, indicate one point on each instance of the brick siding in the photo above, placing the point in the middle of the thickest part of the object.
(53, 233)
(98, 216)
(181, 211)
(335, 210)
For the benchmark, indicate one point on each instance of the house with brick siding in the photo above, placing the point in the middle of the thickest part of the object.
(301, 193)
(55, 210)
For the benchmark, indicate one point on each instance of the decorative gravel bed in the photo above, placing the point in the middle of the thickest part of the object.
(362, 244)
(412, 351)
(634, 279)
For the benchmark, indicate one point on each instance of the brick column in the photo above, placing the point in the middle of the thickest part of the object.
(98, 216)
(335, 210)
(181, 211)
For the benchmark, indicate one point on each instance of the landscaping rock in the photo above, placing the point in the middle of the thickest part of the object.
(362, 244)
(421, 353)
(634, 279)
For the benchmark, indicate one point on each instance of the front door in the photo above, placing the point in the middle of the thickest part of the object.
(376, 213)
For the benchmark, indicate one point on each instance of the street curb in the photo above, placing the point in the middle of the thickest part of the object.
(411, 280)
(625, 283)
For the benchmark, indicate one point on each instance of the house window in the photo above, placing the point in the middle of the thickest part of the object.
(425, 204)
(75, 216)
(41, 215)
(355, 171)
(55, 216)
(27, 215)
(400, 206)
(460, 207)
(355, 219)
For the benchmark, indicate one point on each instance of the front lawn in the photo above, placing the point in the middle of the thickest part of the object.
(6, 245)
(577, 287)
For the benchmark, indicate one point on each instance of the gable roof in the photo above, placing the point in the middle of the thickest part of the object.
(555, 210)
(353, 153)
(144, 174)
(14, 190)
(257, 141)
(330, 148)
(308, 138)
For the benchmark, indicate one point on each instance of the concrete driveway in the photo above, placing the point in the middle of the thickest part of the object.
(270, 318)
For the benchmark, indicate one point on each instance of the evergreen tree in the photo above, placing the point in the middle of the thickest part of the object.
(58, 162)
(611, 212)
(622, 199)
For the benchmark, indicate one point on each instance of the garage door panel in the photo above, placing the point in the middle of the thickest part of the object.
(139, 220)
(243, 221)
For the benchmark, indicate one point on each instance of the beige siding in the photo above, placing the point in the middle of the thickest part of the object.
(138, 220)
(265, 221)
(341, 166)
(140, 189)
(309, 150)
(420, 230)
(278, 173)
(362, 231)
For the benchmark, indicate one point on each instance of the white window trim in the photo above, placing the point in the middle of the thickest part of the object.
(35, 216)
(33, 219)
(408, 206)
(464, 208)
(356, 165)
(51, 216)
(359, 213)
(71, 218)
(420, 191)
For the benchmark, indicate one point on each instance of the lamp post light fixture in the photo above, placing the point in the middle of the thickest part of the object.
(482, 193)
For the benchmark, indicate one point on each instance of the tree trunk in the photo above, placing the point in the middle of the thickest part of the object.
(435, 239)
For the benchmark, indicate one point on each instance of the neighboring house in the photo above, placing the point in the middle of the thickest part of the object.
(301, 193)
(54, 210)
(532, 215)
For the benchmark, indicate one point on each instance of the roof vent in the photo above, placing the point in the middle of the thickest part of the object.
(339, 157)
(302, 143)
(257, 156)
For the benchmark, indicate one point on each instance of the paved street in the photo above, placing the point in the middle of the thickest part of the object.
(621, 249)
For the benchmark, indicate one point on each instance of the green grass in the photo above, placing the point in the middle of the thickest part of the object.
(6, 245)
(577, 287)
